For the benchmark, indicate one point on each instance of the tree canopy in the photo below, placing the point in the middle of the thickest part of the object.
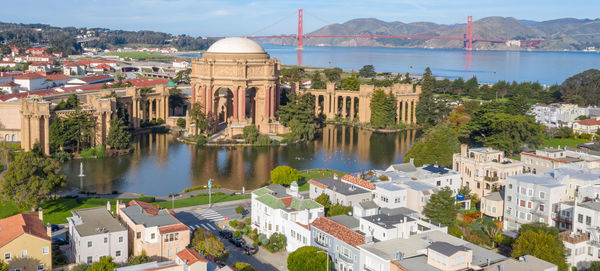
(118, 135)
(431, 110)
(299, 114)
(383, 109)
(541, 241)
(104, 264)
(437, 145)
(241, 266)
(140, 259)
(367, 71)
(284, 175)
(582, 88)
(333, 74)
(442, 207)
(3, 266)
(30, 180)
(316, 82)
(308, 258)
(76, 130)
(205, 242)
(198, 118)
(250, 134)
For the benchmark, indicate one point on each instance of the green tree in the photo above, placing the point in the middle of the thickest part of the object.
(181, 122)
(198, 118)
(406, 78)
(3, 266)
(207, 243)
(243, 266)
(309, 258)
(350, 83)
(176, 98)
(437, 145)
(323, 199)
(423, 112)
(182, 76)
(104, 264)
(367, 71)
(541, 241)
(7, 153)
(594, 266)
(240, 210)
(30, 180)
(316, 82)
(250, 134)
(72, 102)
(383, 109)
(74, 130)
(79, 267)
(465, 191)
(284, 175)
(140, 259)
(293, 75)
(338, 209)
(118, 135)
(442, 207)
(582, 88)
(472, 87)
(565, 132)
(299, 114)
(333, 75)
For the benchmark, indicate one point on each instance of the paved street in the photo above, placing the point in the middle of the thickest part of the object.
(214, 219)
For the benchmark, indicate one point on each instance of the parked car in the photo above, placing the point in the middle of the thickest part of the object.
(54, 227)
(250, 249)
(226, 234)
(59, 241)
(238, 242)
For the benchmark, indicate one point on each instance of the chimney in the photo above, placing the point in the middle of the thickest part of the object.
(41, 214)
(49, 229)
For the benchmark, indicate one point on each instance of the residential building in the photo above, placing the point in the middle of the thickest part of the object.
(582, 242)
(10, 88)
(364, 208)
(276, 209)
(337, 235)
(523, 263)
(549, 158)
(561, 115)
(492, 205)
(430, 174)
(484, 170)
(187, 260)
(385, 227)
(431, 251)
(74, 68)
(390, 195)
(587, 126)
(530, 198)
(25, 243)
(94, 233)
(30, 81)
(56, 80)
(156, 231)
(338, 192)
(418, 194)
(89, 80)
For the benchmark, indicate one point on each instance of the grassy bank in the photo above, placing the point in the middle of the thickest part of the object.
(137, 55)
(555, 142)
(57, 211)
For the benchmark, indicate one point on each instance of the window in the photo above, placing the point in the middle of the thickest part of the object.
(45, 250)
(120, 239)
(438, 183)
(153, 235)
(493, 209)
(542, 194)
(170, 252)
(590, 251)
(138, 235)
(530, 191)
(580, 218)
(7, 257)
(588, 220)
(509, 198)
(40, 267)
(522, 203)
(118, 253)
(90, 260)
(89, 243)
(529, 204)
(24, 253)
(523, 191)
(528, 217)
(541, 207)
(105, 240)
(509, 186)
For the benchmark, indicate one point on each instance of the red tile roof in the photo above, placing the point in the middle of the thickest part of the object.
(28, 76)
(17, 225)
(287, 201)
(191, 256)
(339, 231)
(94, 78)
(318, 184)
(173, 228)
(147, 207)
(359, 182)
(57, 76)
(145, 82)
(589, 122)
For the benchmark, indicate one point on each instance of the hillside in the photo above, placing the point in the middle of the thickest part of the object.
(560, 34)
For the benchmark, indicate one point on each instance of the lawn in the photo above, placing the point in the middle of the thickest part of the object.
(57, 211)
(555, 142)
(315, 174)
(136, 55)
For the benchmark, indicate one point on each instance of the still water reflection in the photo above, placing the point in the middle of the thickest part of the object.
(161, 165)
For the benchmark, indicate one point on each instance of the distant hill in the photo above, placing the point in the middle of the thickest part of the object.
(559, 34)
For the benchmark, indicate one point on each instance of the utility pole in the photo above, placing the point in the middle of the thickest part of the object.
(172, 201)
(209, 193)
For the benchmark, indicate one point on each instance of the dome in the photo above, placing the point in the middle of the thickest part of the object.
(236, 46)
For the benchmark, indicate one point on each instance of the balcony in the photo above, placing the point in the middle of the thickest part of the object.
(345, 258)
(322, 243)
(491, 179)
(574, 238)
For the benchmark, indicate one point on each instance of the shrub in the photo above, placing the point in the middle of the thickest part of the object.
(263, 240)
(455, 231)
(263, 140)
(147, 199)
(239, 210)
(201, 140)
(234, 223)
(181, 122)
(160, 121)
(237, 234)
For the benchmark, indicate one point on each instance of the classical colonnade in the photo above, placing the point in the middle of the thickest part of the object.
(356, 104)
(144, 107)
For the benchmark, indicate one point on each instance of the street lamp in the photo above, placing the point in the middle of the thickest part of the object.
(327, 260)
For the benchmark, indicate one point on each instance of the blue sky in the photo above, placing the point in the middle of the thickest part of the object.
(238, 17)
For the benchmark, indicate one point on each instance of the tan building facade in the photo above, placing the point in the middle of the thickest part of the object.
(237, 84)
(484, 170)
(492, 205)
(25, 243)
(356, 105)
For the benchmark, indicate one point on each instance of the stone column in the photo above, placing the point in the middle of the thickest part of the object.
(209, 101)
(316, 106)
(267, 95)
(352, 110)
(272, 102)
(409, 118)
(46, 144)
(398, 107)
(242, 101)
(235, 103)
(335, 105)
(344, 108)
(35, 131)
(414, 117)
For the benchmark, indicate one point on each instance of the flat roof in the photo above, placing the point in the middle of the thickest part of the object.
(527, 263)
(138, 216)
(536, 179)
(94, 221)
(341, 187)
(592, 205)
(349, 221)
(388, 221)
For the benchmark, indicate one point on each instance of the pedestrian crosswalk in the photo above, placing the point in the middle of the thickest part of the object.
(206, 226)
(210, 214)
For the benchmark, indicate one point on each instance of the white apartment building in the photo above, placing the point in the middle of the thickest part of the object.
(276, 209)
(430, 174)
(484, 170)
(94, 233)
(582, 243)
(561, 115)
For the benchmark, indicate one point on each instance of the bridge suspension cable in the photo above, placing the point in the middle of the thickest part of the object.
(291, 15)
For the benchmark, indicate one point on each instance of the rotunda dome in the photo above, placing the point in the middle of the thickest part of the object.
(236, 45)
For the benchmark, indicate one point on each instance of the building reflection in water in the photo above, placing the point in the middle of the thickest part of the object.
(160, 165)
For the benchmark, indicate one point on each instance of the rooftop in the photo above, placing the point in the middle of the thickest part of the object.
(368, 204)
(388, 221)
(339, 187)
(338, 231)
(447, 249)
(17, 225)
(236, 45)
(94, 221)
(275, 196)
(592, 205)
(358, 181)
(346, 220)
(148, 214)
(536, 179)
(494, 196)
(405, 167)
(524, 263)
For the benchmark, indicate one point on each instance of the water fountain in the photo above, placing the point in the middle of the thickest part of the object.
(81, 175)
